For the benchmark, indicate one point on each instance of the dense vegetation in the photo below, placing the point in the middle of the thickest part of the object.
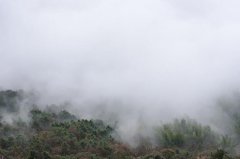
(186, 133)
(49, 134)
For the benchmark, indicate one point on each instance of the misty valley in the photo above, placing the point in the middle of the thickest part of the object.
(54, 133)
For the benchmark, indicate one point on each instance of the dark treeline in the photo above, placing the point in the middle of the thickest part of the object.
(58, 134)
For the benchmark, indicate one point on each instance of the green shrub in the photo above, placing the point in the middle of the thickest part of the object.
(185, 133)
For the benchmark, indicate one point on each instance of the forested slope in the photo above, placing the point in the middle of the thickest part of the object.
(49, 134)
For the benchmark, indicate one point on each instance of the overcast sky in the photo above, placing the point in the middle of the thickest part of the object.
(153, 58)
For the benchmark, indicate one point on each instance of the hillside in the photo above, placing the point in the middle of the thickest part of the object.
(54, 134)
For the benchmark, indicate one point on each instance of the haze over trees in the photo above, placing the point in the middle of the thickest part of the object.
(53, 133)
(119, 79)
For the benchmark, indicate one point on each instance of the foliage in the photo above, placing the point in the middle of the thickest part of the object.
(186, 133)
(61, 135)
(56, 135)
(9, 99)
(227, 144)
(231, 109)
(220, 154)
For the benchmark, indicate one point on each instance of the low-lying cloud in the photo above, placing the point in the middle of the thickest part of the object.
(128, 60)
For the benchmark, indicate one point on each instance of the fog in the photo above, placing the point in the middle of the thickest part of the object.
(128, 61)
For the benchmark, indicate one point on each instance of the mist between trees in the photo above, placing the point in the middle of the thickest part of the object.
(53, 132)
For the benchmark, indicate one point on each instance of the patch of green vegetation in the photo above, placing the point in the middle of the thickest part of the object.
(48, 137)
(186, 133)
(9, 100)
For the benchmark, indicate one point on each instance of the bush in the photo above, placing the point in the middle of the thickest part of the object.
(185, 133)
